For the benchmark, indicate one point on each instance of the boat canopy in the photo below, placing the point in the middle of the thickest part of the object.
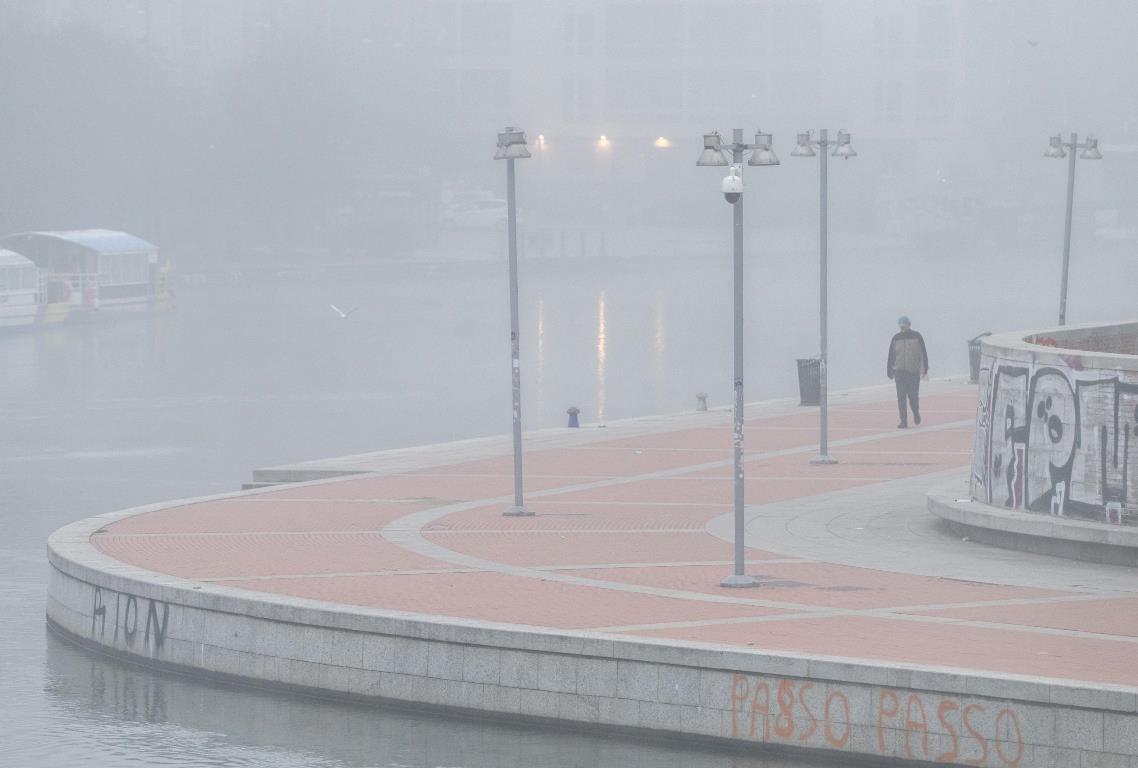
(13, 259)
(81, 251)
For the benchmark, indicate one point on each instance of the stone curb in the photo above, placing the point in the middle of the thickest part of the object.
(1030, 532)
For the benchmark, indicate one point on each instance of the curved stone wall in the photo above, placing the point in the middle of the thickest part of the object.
(1057, 422)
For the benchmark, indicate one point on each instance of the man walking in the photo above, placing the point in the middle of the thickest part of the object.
(908, 362)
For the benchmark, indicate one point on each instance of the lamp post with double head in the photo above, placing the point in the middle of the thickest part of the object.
(1058, 149)
(715, 154)
(512, 146)
(805, 148)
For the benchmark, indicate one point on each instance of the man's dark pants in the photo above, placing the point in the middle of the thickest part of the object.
(908, 384)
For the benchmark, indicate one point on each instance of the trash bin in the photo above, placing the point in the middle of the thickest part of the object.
(810, 380)
(974, 357)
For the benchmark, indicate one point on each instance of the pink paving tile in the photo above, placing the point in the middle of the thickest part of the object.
(954, 645)
(589, 461)
(823, 584)
(441, 486)
(590, 547)
(502, 598)
(1109, 616)
(254, 513)
(706, 490)
(258, 554)
(552, 515)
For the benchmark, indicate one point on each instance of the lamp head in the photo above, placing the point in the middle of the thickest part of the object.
(763, 154)
(512, 145)
(804, 147)
(844, 150)
(1056, 148)
(1091, 152)
(712, 150)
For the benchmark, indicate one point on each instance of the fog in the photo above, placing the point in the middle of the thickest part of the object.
(288, 155)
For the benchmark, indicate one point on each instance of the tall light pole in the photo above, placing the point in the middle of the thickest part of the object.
(1058, 150)
(761, 155)
(512, 146)
(805, 148)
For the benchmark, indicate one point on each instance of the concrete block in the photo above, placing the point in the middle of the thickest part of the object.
(618, 712)
(221, 660)
(304, 643)
(458, 693)
(1036, 723)
(715, 688)
(481, 665)
(397, 686)
(576, 708)
(237, 633)
(518, 669)
(557, 673)
(337, 679)
(702, 721)
(1120, 733)
(498, 698)
(401, 655)
(537, 703)
(636, 680)
(1094, 698)
(596, 677)
(660, 717)
(365, 682)
(347, 649)
(678, 685)
(1103, 760)
(1077, 729)
(296, 672)
(444, 661)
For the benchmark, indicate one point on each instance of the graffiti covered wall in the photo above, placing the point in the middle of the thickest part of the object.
(1057, 426)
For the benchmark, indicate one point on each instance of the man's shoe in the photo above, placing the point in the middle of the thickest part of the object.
(917, 419)
(902, 425)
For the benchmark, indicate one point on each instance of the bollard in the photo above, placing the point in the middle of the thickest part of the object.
(573, 411)
(701, 401)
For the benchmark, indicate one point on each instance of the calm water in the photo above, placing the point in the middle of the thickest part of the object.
(259, 370)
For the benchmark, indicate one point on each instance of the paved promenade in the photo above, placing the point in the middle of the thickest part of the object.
(874, 631)
(632, 537)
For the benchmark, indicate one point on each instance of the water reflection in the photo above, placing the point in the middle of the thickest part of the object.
(602, 357)
(173, 720)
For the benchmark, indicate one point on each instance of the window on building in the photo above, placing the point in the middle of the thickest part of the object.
(934, 29)
(486, 27)
(485, 91)
(725, 93)
(749, 23)
(889, 32)
(933, 102)
(578, 34)
(888, 102)
(577, 99)
(637, 27)
(641, 94)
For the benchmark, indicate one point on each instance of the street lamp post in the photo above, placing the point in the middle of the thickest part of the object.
(1058, 150)
(805, 148)
(761, 155)
(512, 146)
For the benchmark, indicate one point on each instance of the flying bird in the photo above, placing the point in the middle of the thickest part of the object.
(341, 312)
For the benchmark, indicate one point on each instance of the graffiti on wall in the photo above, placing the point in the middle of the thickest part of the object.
(1056, 441)
(904, 724)
(136, 620)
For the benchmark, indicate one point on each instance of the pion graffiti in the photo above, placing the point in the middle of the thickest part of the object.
(1056, 441)
(128, 618)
